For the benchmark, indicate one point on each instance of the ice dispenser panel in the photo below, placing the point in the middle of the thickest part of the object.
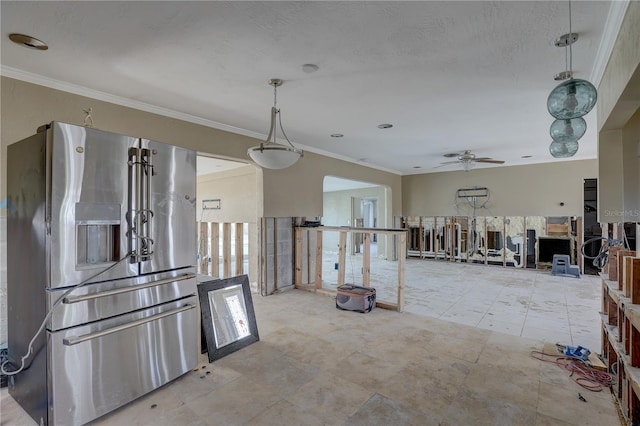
(97, 234)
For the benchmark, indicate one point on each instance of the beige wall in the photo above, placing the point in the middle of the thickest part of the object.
(337, 206)
(27, 106)
(611, 176)
(237, 190)
(337, 212)
(297, 191)
(622, 65)
(532, 190)
(631, 168)
(619, 126)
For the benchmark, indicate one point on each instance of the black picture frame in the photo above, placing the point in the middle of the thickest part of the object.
(228, 318)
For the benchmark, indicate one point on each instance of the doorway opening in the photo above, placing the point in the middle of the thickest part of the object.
(364, 214)
(227, 218)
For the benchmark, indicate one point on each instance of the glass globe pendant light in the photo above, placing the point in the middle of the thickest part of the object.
(568, 102)
(568, 130)
(563, 149)
(572, 99)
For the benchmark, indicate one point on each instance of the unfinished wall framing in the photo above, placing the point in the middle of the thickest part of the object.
(310, 260)
(277, 258)
(515, 241)
(223, 249)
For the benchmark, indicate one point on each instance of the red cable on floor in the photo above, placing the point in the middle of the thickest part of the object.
(581, 372)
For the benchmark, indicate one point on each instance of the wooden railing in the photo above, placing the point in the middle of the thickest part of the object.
(216, 242)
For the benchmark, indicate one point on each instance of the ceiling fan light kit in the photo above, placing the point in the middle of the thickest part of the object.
(270, 154)
(568, 102)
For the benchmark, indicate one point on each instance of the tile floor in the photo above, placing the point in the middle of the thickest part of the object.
(459, 355)
(528, 303)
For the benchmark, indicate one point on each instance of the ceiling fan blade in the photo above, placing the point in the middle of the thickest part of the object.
(488, 160)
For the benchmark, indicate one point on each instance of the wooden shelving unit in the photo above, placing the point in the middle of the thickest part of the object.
(621, 333)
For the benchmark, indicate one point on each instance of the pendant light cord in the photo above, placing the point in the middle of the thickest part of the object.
(570, 44)
(279, 116)
(275, 94)
(566, 62)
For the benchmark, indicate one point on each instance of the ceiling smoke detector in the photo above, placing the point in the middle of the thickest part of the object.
(28, 41)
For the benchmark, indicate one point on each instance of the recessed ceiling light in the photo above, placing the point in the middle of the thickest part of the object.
(385, 126)
(451, 154)
(28, 41)
(417, 167)
(526, 156)
(309, 68)
(337, 135)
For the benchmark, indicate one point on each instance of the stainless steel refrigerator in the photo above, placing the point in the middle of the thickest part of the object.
(118, 214)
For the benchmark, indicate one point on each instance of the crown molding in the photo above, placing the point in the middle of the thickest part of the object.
(41, 80)
(119, 100)
(610, 32)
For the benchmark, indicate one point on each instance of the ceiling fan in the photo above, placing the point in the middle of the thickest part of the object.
(467, 158)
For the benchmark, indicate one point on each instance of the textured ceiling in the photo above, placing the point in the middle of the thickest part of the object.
(448, 75)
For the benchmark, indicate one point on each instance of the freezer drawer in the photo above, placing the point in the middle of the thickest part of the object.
(98, 301)
(99, 367)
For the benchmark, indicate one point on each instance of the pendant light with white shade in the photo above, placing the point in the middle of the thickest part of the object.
(271, 154)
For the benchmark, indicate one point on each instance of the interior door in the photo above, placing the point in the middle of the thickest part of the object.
(172, 201)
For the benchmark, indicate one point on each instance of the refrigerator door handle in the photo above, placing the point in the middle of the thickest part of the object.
(140, 213)
(132, 212)
(74, 340)
(76, 299)
(145, 213)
